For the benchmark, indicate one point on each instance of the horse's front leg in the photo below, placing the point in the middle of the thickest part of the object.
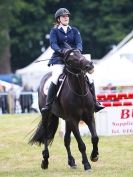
(67, 140)
(81, 145)
(95, 153)
(94, 138)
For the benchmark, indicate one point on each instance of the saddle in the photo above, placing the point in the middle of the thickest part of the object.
(56, 106)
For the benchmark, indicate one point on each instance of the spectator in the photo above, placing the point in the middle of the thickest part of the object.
(26, 99)
(12, 99)
(3, 100)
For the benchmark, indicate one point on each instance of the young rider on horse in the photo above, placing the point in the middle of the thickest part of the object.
(63, 33)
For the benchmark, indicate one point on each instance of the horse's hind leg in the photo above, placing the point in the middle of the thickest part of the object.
(67, 140)
(50, 127)
(81, 145)
(94, 138)
(45, 152)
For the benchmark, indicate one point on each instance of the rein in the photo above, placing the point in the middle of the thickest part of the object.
(76, 75)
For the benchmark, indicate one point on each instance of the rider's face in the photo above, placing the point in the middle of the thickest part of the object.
(64, 20)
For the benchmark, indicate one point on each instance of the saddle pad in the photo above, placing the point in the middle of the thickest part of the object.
(46, 86)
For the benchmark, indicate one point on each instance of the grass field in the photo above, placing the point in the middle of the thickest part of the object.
(18, 159)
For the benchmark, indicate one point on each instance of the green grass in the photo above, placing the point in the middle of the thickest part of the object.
(18, 159)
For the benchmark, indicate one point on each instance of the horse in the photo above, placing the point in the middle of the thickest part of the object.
(74, 103)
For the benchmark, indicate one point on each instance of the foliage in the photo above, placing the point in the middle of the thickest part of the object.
(27, 31)
(105, 24)
(102, 24)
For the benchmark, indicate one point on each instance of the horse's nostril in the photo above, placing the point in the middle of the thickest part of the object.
(87, 67)
(91, 71)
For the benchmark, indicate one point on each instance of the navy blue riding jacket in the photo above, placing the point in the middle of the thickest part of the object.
(57, 42)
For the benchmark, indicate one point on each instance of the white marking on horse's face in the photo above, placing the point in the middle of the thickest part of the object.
(71, 53)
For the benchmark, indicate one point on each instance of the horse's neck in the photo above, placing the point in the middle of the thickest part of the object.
(77, 83)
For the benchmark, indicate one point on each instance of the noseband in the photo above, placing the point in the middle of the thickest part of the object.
(81, 72)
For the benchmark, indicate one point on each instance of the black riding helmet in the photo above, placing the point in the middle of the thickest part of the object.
(61, 12)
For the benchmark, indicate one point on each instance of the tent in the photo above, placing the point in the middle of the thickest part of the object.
(116, 69)
(124, 47)
(33, 73)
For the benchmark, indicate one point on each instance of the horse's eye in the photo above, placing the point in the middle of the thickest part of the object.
(71, 53)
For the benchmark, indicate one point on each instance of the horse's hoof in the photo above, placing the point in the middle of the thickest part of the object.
(44, 165)
(71, 163)
(87, 167)
(73, 167)
(89, 170)
(94, 159)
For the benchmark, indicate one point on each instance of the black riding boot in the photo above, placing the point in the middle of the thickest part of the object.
(50, 98)
(98, 106)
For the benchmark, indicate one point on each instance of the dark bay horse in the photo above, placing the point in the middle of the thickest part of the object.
(74, 103)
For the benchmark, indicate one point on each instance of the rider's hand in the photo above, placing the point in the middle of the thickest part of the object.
(63, 52)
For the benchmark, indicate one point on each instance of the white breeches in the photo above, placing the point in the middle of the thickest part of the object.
(57, 70)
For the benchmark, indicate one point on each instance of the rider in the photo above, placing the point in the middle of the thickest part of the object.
(60, 34)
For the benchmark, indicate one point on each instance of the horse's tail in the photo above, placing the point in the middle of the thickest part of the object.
(45, 131)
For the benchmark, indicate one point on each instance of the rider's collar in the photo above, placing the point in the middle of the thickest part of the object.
(64, 27)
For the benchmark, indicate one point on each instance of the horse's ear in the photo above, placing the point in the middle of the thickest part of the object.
(65, 53)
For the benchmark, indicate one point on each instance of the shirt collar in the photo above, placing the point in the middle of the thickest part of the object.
(61, 26)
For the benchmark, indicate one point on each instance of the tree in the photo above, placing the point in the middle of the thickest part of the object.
(102, 24)
(5, 19)
(28, 31)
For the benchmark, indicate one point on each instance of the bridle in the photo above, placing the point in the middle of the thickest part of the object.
(80, 72)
